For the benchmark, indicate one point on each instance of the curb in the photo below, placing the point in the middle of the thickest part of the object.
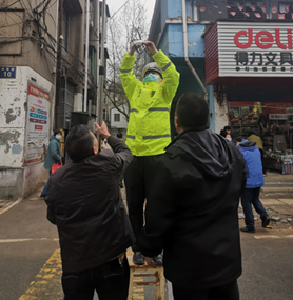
(11, 205)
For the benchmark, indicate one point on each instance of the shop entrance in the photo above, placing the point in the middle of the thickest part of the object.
(272, 122)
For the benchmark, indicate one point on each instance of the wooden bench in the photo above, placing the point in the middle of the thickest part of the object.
(146, 271)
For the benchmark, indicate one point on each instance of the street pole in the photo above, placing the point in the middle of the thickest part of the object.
(102, 64)
(98, 57)
(59, 66)
(87, 47)
(102, 72)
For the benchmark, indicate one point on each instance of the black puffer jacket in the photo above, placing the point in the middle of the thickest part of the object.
(192, 211)
(85, 203)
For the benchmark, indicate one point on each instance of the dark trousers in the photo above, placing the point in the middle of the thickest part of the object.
(138, 182)
(46, 187)
(248, 198)
(264, 170)
(110, 280)
(226, 292)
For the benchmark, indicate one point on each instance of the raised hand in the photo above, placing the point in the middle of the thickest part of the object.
(151, 47)
(102, 130)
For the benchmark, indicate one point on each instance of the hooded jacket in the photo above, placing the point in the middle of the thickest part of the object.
(53, 155)
(149, 130)
(85, 203)
(251, 155)
(192, 211)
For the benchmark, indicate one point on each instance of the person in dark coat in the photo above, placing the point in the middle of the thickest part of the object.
(53, 156)
(192, 211)
(250, 195)
(85, 203)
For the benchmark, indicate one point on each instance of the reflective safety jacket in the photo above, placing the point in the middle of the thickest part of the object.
(149, 129)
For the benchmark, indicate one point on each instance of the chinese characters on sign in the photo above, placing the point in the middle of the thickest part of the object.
(8, 72)
(264, 62)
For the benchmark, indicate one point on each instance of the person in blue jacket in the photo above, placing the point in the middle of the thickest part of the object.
(53, 156)
(251, 155)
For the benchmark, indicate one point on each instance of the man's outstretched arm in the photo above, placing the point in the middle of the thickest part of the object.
(128, 79)
(122, 154)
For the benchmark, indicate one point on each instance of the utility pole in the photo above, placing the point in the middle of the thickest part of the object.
(59, 66)
(102, 64)
(98, 57)
(87, 48)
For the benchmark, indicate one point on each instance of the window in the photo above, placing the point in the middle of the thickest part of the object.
(105, 114)
(285, 10)
(105, 100)
(117, 118)
(253, 9)
(211, 10)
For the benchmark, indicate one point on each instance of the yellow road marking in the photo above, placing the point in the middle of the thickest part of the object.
(47, 284)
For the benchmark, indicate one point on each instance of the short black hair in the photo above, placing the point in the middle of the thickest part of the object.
(238, 139)
(79, 143)
(56, 131)
(119, 135)
(223, 133)
(227, 128)
(192, 111)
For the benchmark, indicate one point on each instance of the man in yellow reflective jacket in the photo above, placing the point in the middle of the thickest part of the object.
(149, 130)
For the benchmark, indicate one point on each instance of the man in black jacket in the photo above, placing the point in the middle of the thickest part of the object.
(84, 202)
(192, 211)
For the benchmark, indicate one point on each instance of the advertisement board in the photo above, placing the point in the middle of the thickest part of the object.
(37, 124)
(255, 49)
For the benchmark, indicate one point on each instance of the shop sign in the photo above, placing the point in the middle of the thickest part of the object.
(278, 116)
(255, 49)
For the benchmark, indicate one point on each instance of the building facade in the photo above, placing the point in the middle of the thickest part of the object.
(242, 53)
(167, 31)
(31, 82)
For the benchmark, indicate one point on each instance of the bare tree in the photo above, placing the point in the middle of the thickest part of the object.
(127, 25)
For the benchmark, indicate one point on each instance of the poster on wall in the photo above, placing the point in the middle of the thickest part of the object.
(37, 124)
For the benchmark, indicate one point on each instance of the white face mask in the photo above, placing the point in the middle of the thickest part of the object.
(229, 139)
(58, 137)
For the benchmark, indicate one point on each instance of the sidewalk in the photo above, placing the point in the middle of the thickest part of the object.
(278, 183)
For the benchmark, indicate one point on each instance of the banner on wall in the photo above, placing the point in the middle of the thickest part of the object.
(37, 124)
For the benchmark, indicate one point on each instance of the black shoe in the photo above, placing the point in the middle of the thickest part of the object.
(245, 229)
(265, 221)
(138, 258)
(42, 196)
(158, 260)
